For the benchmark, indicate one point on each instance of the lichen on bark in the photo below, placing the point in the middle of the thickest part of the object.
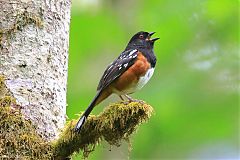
(22, 19)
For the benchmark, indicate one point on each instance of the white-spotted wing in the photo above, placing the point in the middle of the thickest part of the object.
(117, 68)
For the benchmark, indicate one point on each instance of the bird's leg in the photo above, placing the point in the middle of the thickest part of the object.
(121, 97)
(130, 99)
(124, 102)
(133, 100)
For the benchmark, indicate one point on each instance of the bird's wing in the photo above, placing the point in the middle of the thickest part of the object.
(117, 67)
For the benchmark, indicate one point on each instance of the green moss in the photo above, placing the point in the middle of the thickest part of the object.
(116, 123)
(18, 137)
(120, 120)
(3, 88)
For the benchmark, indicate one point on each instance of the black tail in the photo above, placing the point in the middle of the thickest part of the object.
(84, 116)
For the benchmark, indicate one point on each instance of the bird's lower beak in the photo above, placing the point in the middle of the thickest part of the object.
(154, 39)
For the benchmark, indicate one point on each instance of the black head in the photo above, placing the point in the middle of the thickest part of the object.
(142, 40)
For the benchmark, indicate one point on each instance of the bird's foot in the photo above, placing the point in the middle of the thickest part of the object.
(130, 99)
(123, 101)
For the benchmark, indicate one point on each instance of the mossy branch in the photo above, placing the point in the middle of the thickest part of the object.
(116, 123)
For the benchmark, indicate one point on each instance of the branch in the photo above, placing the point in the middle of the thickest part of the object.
(116, 123)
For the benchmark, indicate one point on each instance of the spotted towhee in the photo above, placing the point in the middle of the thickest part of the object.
(128, 73)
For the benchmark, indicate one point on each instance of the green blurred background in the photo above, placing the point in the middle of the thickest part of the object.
(195, 87)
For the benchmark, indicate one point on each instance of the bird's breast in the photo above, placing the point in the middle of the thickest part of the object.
(135, 77)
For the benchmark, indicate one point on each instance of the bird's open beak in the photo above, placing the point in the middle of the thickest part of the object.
(153, 39)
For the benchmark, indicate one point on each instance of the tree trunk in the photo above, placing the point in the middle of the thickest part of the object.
(34, 40)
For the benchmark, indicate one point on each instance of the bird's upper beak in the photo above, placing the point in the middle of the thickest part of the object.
(153, 39)
(151, 33)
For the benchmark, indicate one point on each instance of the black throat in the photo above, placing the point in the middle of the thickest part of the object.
(147, 52)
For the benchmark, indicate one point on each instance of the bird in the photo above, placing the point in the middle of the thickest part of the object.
(129, 72)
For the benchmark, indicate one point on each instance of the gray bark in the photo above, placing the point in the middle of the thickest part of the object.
(34, 40)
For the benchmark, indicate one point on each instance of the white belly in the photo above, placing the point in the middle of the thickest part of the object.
(142, 81)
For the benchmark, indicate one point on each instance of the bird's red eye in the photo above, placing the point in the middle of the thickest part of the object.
(141, 36)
